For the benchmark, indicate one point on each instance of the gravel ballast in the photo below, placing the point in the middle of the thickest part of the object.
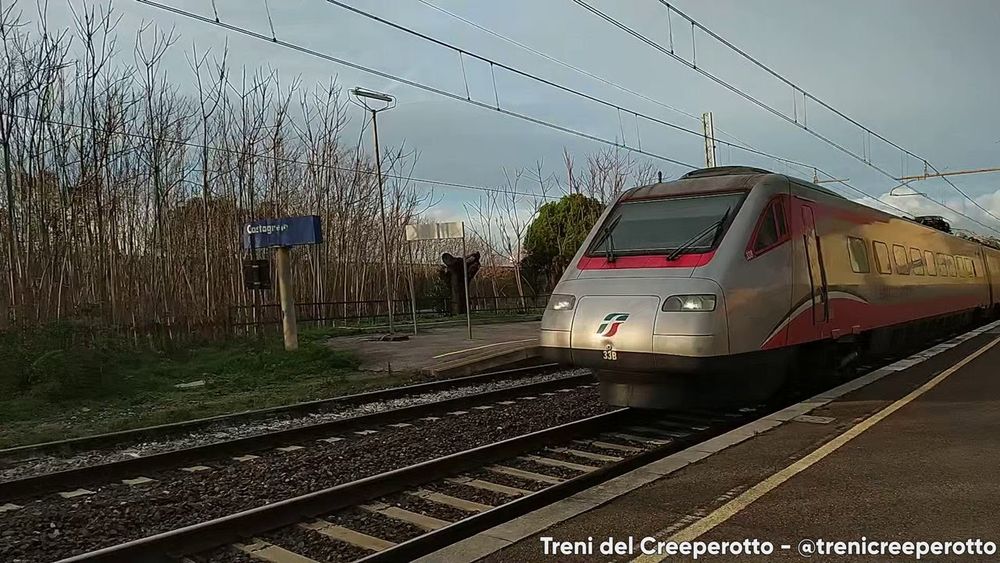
(466, 492)
(375, 524)
(226, 555)
(51, 527)
(427, 507)
(509, 480)
(11, 469)
(315, 546)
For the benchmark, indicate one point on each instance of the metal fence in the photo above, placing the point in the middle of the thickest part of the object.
(375, 312)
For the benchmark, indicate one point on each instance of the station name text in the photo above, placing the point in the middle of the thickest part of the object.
(266, 229)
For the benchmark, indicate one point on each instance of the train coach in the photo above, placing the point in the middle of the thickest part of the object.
(719, 286)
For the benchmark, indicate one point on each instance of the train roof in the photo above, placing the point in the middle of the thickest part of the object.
(717, 179)
(734, 178)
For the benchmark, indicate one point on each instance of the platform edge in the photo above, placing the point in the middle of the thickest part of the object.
(501, 536)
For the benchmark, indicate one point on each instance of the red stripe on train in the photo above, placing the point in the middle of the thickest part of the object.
(693, 260)
(847, 313)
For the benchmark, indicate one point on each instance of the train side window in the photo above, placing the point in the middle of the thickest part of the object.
(929, 263)
(767, 233)
(882, 257)
(779, 218)
(916, 261)
(949, 262)
(902, 262)
(942, 265)
(858, 251)
(771, 231)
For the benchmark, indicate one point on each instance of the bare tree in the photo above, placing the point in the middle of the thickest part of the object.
(29, 67)
(124, 195)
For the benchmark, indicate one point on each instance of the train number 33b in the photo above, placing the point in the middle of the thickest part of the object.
(610, 355)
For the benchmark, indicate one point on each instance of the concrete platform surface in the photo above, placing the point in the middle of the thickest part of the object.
(437, 348)
(911, 456)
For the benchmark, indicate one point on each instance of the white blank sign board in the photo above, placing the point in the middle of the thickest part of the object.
(435, 231)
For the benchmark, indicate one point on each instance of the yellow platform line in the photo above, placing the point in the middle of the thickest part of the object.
(733, 507)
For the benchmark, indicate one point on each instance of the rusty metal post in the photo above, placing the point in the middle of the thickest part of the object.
(289, 324)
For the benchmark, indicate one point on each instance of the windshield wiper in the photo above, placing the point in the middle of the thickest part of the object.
(609, 252)
(715, 227)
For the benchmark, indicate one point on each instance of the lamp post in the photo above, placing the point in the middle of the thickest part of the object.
(362, 98)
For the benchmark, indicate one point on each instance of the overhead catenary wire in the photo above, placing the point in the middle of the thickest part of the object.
(547, 82)
(438, 91)
(741, 144)
(802, 125)
(412, 83)
(869, 131)
(573, 67)
(283, 160)
(494, 64)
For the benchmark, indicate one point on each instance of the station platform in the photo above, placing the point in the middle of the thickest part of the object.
(908, 452)
(446, 351)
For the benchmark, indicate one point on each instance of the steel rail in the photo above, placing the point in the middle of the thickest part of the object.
(109, 439)
(437, 539)
(121, 469)
(227, 529)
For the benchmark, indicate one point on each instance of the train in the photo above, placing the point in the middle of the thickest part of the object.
(718, 287)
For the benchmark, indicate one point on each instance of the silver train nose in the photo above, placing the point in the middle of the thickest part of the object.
(677, 317)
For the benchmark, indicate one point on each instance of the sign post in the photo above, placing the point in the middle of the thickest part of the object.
(283, 234)
(465, 280)
(413, 293)
(289, 325)
(440, 231)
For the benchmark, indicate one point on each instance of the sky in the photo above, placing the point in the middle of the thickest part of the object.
(919, 72)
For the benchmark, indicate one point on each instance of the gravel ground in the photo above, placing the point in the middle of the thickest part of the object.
(585, 447)
(226, 555)
(571, 458)
(509, 480)
(470, 493)
(11, 469)
(427, 507)
(535, 467)
(376, 525)
(315, 545)
(52, 528)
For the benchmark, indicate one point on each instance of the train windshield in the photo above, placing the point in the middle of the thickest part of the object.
(685, 224)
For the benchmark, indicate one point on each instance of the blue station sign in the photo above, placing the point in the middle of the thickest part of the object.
(287, 231)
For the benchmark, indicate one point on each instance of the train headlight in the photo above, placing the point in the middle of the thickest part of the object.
(689, 303)
(562, 302)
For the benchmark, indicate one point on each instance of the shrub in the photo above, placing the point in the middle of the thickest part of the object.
(60, 360)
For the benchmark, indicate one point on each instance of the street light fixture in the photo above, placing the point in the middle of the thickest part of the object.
(361, 97)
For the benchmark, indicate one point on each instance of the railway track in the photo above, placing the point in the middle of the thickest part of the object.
(134, 467)
(436, 502)
(112, 439)
(415, 508)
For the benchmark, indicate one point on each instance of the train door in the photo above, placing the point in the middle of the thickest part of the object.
(814, 264)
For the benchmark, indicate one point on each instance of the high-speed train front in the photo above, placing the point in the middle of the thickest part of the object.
(645, 300)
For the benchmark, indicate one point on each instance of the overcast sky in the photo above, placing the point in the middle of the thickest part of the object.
(921, 72)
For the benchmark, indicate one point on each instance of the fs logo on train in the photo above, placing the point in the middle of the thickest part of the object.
(609, 326)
